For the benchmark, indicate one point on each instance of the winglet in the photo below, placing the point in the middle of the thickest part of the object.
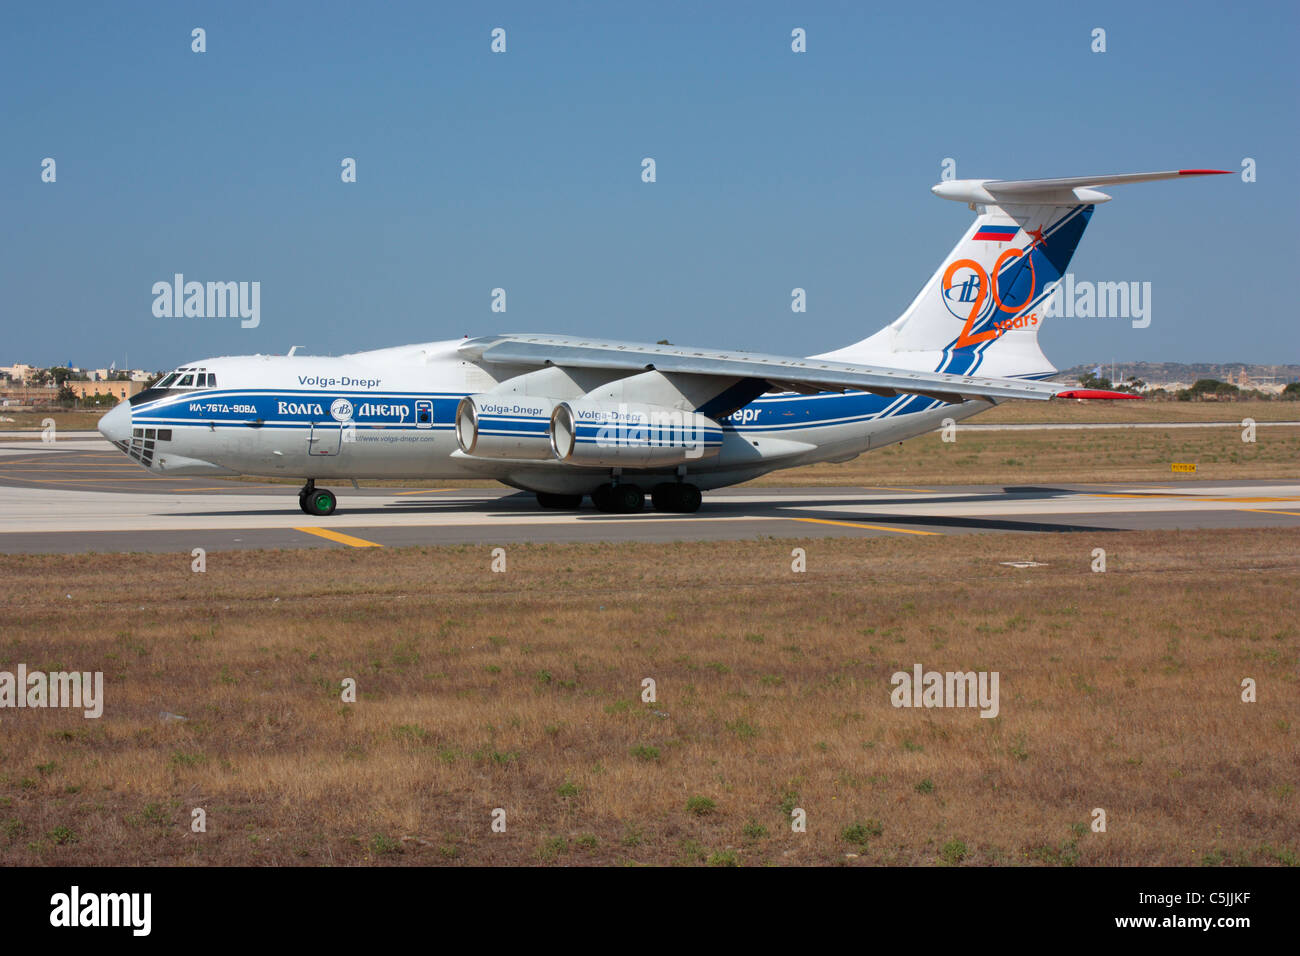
(1093, 394)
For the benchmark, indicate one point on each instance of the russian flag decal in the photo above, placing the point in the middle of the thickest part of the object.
(996, 233)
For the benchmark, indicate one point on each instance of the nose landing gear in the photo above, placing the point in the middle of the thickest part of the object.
(319, 503)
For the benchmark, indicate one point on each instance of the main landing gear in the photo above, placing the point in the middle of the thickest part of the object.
(559, 502)
(676, 496)
(620, 499)
(316, 502)
(624, 498)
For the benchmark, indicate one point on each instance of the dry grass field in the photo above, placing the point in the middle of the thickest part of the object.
(522, 690)
(70, 421)
(1128, 410)
(1037, 457)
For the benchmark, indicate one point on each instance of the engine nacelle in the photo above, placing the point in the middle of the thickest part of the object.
(583, 432)
(514, 427)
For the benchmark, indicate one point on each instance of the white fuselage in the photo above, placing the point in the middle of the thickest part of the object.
(391, 414)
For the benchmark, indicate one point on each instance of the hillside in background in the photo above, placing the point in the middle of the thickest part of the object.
(1161, 372)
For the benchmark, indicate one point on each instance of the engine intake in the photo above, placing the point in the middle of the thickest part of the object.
(596, 433)
(515, 427)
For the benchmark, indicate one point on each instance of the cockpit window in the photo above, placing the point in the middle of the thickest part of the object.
(188, 377)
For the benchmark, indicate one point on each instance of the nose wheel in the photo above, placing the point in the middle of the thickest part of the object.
(317, 502)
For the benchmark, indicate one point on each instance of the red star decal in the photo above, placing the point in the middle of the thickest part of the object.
(1037, 235)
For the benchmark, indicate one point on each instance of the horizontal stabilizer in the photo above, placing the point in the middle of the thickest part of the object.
(1065, 191)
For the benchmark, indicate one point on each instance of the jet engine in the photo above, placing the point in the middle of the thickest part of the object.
(514, 427)
(584, 432)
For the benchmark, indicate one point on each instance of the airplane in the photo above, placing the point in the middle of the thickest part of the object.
(566, 417)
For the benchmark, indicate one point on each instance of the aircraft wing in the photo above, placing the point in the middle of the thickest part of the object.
(780, 371)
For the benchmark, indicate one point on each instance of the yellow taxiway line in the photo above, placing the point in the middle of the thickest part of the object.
(924, 491)
(1189, 497)
(340, 538)
(869, 527)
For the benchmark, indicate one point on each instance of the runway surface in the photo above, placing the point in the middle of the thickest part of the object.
(79, 494)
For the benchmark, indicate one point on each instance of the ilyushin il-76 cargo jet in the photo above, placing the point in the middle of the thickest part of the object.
(567, 417)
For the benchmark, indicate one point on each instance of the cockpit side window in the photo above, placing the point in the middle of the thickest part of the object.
(166, 381)
(186, 381)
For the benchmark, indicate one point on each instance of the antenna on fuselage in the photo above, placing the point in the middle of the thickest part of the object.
(294, 349)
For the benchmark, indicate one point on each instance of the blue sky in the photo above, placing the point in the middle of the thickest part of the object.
(523, 170)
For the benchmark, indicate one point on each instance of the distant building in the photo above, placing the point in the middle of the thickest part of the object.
(16, 394)
(120, 390)
(19, 372)
(22, 374)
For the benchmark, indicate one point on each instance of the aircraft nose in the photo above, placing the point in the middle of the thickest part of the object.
(116, 425)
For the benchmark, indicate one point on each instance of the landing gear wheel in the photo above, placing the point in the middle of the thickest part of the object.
(629, 499)
(691, 499)
(560, 502)
(304, 493)
(320, 503)
(618, 499)
(603, 498)
(680, 498)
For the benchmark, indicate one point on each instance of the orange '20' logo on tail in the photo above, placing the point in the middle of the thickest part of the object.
(974, 288)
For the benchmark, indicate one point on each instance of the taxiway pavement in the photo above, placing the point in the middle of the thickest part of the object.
(82, 495)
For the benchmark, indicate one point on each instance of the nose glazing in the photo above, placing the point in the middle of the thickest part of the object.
(116, 425)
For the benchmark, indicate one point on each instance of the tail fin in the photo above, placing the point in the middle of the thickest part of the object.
(983, 307)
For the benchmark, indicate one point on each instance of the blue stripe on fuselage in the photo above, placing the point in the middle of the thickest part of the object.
(230, 409)
(291, 407)
(794, 412)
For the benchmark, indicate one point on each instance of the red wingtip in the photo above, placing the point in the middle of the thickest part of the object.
(1204, 172)
(1094, 393)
